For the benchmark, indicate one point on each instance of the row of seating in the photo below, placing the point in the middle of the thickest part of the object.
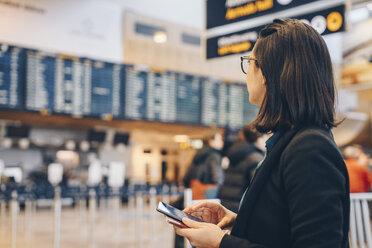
(47, 191)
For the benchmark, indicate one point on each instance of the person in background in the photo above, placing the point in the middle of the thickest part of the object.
(205, 174)
(362, 156)
(299, 196)
(244, 155)
(206, 165)
(359, 175)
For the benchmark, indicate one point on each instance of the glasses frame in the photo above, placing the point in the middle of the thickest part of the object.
(248, 59)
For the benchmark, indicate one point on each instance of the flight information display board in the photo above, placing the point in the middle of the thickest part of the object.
(40, 75)
(188, 102)
(135, 103)
(226, 105)
(69, 87)
(167, 97)
(81, 87)
(161, 97)
(210, 101)
(12, 76)
(85, 87)
(73, 86)
(106, 89)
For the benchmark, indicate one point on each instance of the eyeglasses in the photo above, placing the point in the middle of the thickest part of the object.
(245, 61)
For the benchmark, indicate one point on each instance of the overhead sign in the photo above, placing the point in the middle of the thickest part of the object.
(222, 12)
(326, 21)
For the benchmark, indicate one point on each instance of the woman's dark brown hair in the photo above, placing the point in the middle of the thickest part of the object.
(300, 89)
(250, 134)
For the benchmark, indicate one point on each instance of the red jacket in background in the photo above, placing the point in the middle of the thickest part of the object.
(359, 175)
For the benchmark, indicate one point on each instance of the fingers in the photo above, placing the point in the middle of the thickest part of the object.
(203, 204)
(224, 222)
(192, 224)
(184, 232)
(175, 223)
(199, 211)
(192, 207)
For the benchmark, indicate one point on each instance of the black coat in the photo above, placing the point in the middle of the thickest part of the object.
(244, 158)
(299, 196)
(206, 167)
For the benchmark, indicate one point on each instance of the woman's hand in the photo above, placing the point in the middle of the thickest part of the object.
(201, 235)
(212, 212)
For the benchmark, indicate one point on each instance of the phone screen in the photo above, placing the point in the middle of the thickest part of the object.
(174, 213)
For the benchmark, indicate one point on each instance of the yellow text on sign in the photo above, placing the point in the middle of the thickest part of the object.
(249, 9)
(334, 21)
(235, 48)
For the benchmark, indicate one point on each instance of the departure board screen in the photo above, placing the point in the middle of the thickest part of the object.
(106, 93)
(210, 92)
(12, 76)
(230, 107)
(85, 87)
(40, 75)
(135, 104)
(69, 97)
(223, 105)
(236, 105)
(161, 97)
(240, 110)
(73, 86)
(187, 97)
(226, 105)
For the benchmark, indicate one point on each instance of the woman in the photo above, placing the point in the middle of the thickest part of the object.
(299, 196)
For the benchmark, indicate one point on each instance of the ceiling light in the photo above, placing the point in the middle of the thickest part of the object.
(4, 48)
(160, 37)
(196, 144)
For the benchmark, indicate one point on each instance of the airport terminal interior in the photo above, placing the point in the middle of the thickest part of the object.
(105, 105)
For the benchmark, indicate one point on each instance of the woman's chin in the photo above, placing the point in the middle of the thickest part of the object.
(254, 102)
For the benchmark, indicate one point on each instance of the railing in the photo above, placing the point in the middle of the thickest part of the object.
(360, 220)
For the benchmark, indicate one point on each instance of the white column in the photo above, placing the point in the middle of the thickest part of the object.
(14, 211)
(187, 201)
(139, 221)
(92, 217)
(57, 217)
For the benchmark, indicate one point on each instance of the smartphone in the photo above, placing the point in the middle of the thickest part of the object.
(175, 215)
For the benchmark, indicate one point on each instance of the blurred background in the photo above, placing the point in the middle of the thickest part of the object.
(104, 104)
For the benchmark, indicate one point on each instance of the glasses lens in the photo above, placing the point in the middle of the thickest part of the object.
(245, 65)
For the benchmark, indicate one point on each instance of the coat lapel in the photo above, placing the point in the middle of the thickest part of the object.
(272, 159)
